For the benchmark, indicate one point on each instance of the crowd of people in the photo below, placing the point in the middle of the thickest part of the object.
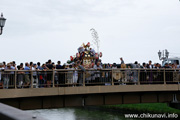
(42, 75)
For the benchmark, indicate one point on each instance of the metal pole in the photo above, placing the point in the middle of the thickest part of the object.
(53, 77)
(164, 77)
(31, 79)
(112, 82)
(138, 77)
(83, 79)
(1, 30)
(15, 79)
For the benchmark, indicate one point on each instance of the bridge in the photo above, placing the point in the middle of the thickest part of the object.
(109, 86)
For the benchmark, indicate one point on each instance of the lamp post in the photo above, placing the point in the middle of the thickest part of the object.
(163, 55)
(2, 23)
(159, 54)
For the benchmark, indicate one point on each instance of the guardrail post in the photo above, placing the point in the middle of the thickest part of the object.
(31, 79)
(112, 82)
(15, 79)
(53, 77)
(164, 76)
(83, 79)
(138, 77)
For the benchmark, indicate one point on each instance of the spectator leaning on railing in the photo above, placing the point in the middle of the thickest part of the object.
(150, 73)
(27, 74)
(6, 76)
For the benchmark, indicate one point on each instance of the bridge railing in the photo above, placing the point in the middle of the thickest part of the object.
(91, 77)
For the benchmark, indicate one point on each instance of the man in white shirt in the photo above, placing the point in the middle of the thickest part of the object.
(150, 65)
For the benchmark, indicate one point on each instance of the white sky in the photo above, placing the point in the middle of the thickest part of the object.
(38, 30)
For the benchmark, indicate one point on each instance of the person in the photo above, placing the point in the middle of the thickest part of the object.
(49, 73)
(43, 76)
(39, 66)
(135, 73)
(129, 73)
(116, 74)
(6, 77)
(98, 67)
(58, 66)
(88, 74)
(122, 61)
(11, 76)
(27, 79)
(108, 75)
(143, 73)
(20, 76)
(92, 72)
(123, 74)
(174, 66)
(114, 66)
(80, 78)
(149, 72)
(75, 75)
(168, 73)
(70, 75)
(166, 66)
(31, 65)
(150, 66)
(21, 65)
(159, 75)
(157, 66)
(35, 78)
(40, 74)
(4, 63)
(92, 52)
(58, 75)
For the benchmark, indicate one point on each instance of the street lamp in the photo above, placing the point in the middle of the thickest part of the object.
(167, 53)
(2, 23)
(163, 55)
(159, 54)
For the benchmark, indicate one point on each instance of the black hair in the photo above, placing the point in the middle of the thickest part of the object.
(114, 65)
(26, 64)
(144, 64)
(18, 67)
(49, 61)
(31, 63)
(135, 62)
(38, 63)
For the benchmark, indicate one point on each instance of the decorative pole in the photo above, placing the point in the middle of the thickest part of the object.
(2, 23)
(163, 55)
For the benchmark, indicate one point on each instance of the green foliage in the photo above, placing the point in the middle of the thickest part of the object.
(145, 107)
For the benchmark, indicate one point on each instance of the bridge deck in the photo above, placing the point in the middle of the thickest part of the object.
(32, 92)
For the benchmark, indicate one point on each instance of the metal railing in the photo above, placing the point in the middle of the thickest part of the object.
(10, 79)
